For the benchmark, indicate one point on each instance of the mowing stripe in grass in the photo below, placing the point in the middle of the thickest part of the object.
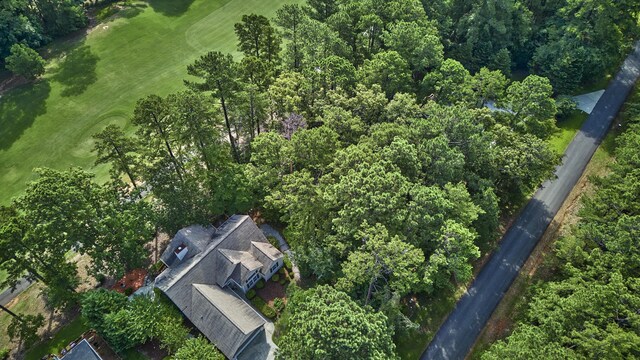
(96, 80)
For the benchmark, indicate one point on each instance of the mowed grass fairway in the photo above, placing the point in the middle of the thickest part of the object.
(94, 80)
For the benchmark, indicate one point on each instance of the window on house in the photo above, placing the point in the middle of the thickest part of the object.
(252, 279)
(273, 267)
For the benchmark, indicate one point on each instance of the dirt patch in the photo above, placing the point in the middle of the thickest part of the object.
(11, 82)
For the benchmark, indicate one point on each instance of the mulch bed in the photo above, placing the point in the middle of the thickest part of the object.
(133, 280)
(272, 290)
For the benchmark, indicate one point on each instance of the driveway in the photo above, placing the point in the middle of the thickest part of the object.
(457, 335)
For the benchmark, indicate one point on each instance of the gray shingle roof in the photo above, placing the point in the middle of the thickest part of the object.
(82, 351)
(195, 283)
(224, 318)
(195, 237)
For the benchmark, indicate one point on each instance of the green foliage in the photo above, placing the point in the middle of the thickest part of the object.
(25, 329)
(198, 348)
(258, 38)
(4, 353)
(25, 61)
(96, 304)
(533, 108)
(142, 319)
(260, 284)
(287, 263)
(389, 70)
(275, 277)
(455, 249)
(273, 241)
(251, 294)
(323, 322)
(278, 304)
(381, 264)
(34, 23)
(263, 307)
(417, 42)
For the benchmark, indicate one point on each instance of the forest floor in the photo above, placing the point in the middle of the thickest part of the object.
(94, 79)
(543, 265)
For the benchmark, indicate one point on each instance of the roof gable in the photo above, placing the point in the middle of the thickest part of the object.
(224, 318)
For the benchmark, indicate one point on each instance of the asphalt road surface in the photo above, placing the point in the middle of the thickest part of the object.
(7, 295)
(457, 335)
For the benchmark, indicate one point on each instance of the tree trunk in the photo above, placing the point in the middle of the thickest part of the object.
(166, 143)
(11, 313)
(228, 123)
(125, 166)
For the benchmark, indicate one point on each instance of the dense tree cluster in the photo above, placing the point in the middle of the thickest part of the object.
(325, 323)
(593, 310)
(365, 134)
(64, 211)
(33, 23)
(126, 323)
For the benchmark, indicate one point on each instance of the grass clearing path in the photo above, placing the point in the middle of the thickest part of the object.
(95, 80)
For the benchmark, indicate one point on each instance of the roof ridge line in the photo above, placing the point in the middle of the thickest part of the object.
(198, 257)
(230, 318)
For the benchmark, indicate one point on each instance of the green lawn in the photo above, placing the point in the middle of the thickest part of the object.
(95, 80)
(61, 339)
(568, 129)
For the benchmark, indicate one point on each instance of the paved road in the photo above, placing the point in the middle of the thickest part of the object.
(7, 295)
(456, 336)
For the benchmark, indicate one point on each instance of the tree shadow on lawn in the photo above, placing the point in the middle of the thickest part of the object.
(19, 108)
(170, 7)
(77, 71)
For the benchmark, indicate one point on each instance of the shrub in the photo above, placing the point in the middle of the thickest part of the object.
(96, 304)
(260, 284)
(100, 278)
(274, 242)
(283, 281)
(263, 307)
(287, 263)
(251, 294)
(566, 106)
(275, 278)
(155, 269)
(281, 271)
(4, 353)
(25, 61)
(128, 291)
(278, 303)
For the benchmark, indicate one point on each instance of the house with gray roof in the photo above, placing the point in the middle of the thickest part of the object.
(207, 269)
(81, 351)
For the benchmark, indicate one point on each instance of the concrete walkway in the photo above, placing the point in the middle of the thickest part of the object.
(268, 230)
(457, 335)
